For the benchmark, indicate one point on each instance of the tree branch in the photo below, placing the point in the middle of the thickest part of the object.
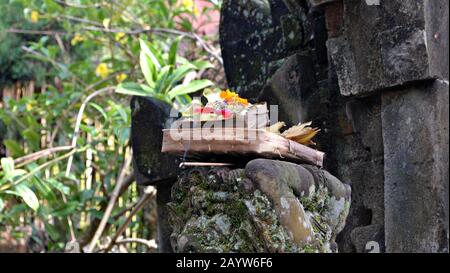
(72, 5)
(110, 207)
(35, 32)
(151, 244)
(38, 169)
(80, 20)
(78, 122)
(192, 36)
(148, 193)
(18, 162)
(98, 27)
(89, 234)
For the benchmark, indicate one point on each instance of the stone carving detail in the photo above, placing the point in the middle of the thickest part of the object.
(256, 34)
(270, 206)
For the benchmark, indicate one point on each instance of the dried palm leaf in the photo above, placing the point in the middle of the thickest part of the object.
(301, 133)
(276, 128)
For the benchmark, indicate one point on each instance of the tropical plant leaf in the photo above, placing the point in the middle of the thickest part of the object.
(52, 231)
(58, 186)
(99, 109)
(43, 189)
(66, 209)
(32, 137)
(133, 89)
(148, 68)
(200, 65)
(10, 176)
(189, 88)
(158, 55)
(163, 82)
(141, 90)
(178, 75)
(28, 196)
(151, 53)
(13, 147)
(174, 50)
(7, 165)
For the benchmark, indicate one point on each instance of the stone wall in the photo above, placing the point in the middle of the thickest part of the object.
(397, 53)
(374, 76)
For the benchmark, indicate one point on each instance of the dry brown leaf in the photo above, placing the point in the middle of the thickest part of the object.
(276, 127)
(302, 133)
(296, 130)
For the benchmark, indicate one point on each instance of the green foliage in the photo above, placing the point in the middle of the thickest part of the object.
(13, 66)
(82, 49)
(163, 76)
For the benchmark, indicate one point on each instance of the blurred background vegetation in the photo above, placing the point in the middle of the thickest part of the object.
(64, 131)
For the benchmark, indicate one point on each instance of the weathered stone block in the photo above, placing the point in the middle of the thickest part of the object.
(404, 56)
(289, 86)
(367, 239)
(415, 134)
(436, 20)
(387, 45)
(256, 35)
(359, 153)
(251, 37)
(164, 229)
(149, 118)
(270, 206)
(218, 210)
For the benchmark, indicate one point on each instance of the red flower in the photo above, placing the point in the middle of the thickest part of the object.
(226, 113)
(208, 110)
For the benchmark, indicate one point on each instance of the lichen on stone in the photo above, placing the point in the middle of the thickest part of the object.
(223, 210)
(214, 213)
